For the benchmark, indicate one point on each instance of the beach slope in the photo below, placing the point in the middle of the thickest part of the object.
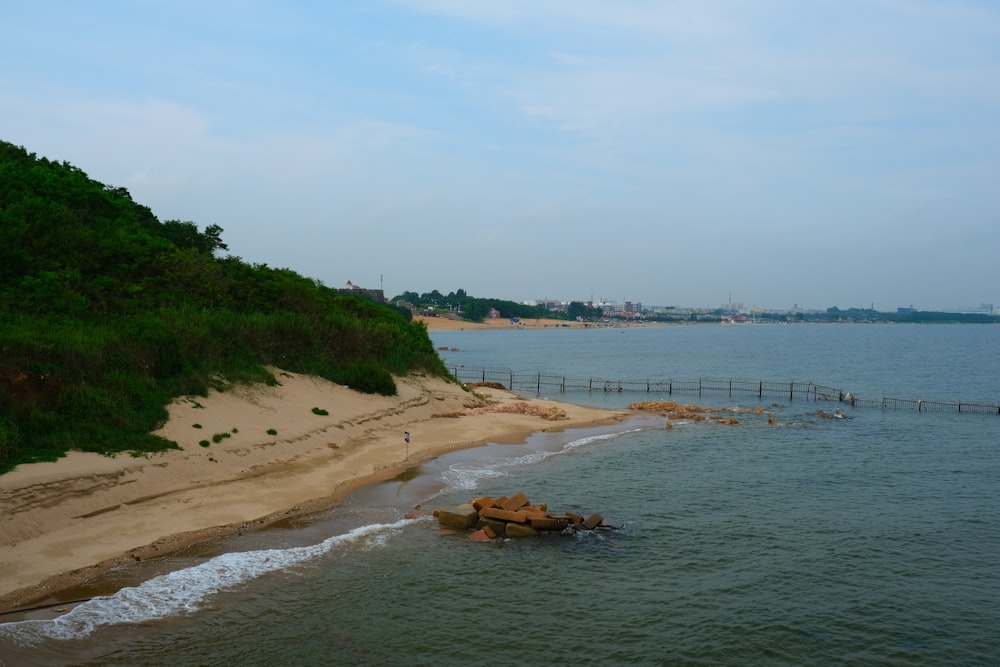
(249, 457)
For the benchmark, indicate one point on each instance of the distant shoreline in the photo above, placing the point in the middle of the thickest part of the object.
(442, 323)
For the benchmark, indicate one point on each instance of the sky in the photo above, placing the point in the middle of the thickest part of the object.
(776, 153)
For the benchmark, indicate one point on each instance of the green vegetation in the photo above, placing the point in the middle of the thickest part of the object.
(474, 309)
(108, 314)
(272, 431)
(320, 411)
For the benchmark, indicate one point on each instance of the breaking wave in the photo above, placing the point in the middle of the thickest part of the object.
(185, 591)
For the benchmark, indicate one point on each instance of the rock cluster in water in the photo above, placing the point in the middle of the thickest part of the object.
(515, 516)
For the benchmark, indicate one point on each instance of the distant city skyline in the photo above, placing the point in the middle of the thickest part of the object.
(790, 153)
(738, 305)
(732, 303)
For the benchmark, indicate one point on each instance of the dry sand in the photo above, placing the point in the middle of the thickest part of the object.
(64, 523)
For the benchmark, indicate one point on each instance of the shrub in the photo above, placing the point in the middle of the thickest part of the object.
(369, 377)
(320, 411)
(10, 440)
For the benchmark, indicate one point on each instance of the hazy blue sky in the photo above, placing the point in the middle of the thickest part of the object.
(787, 152)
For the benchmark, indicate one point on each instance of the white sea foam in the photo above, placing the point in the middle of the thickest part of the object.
(598, 438)
(185, 591)
(468, 475)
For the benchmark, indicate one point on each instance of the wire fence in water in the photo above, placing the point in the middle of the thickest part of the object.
(544, 383)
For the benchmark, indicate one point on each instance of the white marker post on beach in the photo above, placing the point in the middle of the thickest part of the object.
(406, 437)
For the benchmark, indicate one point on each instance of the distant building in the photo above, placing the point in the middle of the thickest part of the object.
(609, 309)
(551, 304)
(376, 295)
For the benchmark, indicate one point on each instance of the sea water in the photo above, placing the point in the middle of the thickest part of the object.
(863, 541)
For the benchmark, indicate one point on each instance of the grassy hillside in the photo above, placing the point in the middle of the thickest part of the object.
(107, 314)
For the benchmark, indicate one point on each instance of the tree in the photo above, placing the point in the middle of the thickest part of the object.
(456, 299)
(578, 310)
(213, 239)
(433, 297)
(186, 235)
(409, 297)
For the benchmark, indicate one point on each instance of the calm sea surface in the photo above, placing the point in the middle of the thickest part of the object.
(865, 541)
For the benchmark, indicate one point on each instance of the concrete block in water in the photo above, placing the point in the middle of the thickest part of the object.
(462, 517)
(520, 530)
(483, 502)
(515, 502)
(549, 523)
(499, 527)
(503, 515)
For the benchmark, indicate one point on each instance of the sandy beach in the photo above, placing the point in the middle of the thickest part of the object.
(64, 523)
(449, 323)
(445, 323)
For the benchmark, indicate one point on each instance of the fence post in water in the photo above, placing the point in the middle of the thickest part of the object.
(512, 381)
(562, 387)
(670, 392)
(538, 385)
(791, 390)
(760, 390)
(730, 389)
(699, 387)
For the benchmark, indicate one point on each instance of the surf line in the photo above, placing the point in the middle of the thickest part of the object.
(28, 610)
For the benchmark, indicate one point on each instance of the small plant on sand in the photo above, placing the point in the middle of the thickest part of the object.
(198, 405)
(320, 411)
(219, 437)
(196, 425)
(204, 443)
(272, 431)
(235, 430)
